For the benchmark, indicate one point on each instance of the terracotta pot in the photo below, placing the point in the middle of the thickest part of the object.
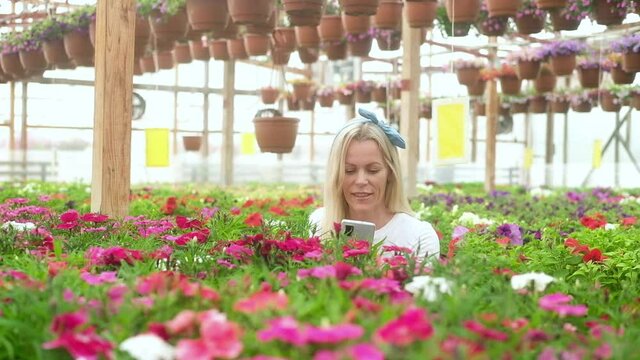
(280, 56)
(263, 28)
(396, 92)
(459, 29)
(510, 85)
(171, 28)
(308, 104)
(12, 65)
(162, 44)
(326, 100)
(560, 106)
(360, 47)
(388, 15)
(245, 12)
(359, 7)
(164, 60)
(182, 53)
(276, 134)
(54, 52)
(363, 96)
(621, 77)
(538, 104)
(308, 55)
(426, 112)
(331, 28)
(498, 29)
(379, 94)
(389, 43)
(142, 37)
(345, 99)
(563, 65)
(635, 100)
(545, 82)
(356, 24)
(231, 32)
(236, 49)
(307, 36)
(256, 44)
(199, 51)
(336, 51)
(503, 8)
(589, 77)
(285, 39)
(78, 48)
(551, 4)
(147, 64)
(420, 14)
(479, 108)
(560, 22)
(218, 50)
(269, 95)
(609, 102)
(520, 108)
(606, 14)
(292, 103)
(631, 62)
(528, 69)
(302, 91)
(192, 142)
(581, 107)
(33, 61)
(529, 24)
(478, 88)
(462, 11)
(468, 76)
(207, 15)
(303, 12)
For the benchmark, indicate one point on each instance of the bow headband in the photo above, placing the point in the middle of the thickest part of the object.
(392, 134)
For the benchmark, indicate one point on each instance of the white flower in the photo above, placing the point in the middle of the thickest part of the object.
(18, 226)
(539, 280)
(429, 287)
(540, 192)
(454, 209)
(470, 219)
(611, 226)
(148, 347)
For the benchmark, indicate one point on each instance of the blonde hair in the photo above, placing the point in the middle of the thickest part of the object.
(334, 202)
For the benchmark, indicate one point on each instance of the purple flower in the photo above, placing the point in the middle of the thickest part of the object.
(558, 303)
(563, 48)
(512, 231)
(627, 44)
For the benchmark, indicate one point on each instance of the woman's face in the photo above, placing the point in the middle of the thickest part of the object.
(365, 177)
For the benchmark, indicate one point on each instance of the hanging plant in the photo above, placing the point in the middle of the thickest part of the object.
(165, 8)
(528, 60)
(360, 44)
(610, 12)
(559, 101)
(569, 17)
(447, 28)
(468, 71)
(529, 18)
(613, 65)
(326, 96)
(562, 55)
(582, 100)
(589, 72)
(629, 47)
(490, 25)
(510, 83)
(612, 97)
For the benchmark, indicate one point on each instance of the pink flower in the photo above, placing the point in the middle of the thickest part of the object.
(333, 334)
(365, 351)
(105, 277)
(320, 272)
(344, 270)
(222, 337)
(68, 321)
(81, 345)
(181, 323)
(558, 303)
(238, 252)
(484, 332)
(411, 326)
(95, 218)
(70, 216)
(262, 300)
(284, 329)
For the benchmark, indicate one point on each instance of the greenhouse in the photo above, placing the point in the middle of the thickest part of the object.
(319, 179)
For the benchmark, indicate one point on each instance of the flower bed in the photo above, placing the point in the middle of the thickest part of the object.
(224, 275)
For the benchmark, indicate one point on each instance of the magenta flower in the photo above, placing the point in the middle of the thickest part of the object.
(85, 344)
(265, 299)
(411, 326)
(558, 303)
(105, 277)
(333, 334)
(484, 332)
(320, 272)
(284, 329)
(95, 218)
(365, 351)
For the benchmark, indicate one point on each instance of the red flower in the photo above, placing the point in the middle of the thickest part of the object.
(452, 247)
(248, 203)
(185, 223)
(629, 221)
(597, 221)
(411, 326)
(170, 206)
(276, 210)
(572, 243)
(95, 218)
(594, 255)
(484, 332)
(254, 220)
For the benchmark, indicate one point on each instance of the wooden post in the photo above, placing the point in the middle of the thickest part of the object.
(111, 176)
(492, 123)
(549, 150)
(410, 105)
(227, 122)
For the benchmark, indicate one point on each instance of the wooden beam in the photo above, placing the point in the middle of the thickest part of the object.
(410, 105)
(456, 48)
(111, 177)
(270, 65)
(227, 122)
(492, 124)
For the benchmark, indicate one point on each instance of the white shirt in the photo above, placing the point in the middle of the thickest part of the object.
(402, 230)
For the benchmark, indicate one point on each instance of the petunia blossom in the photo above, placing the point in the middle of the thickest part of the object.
(148, 347)
(409, 327)
(429, 288)
(558, 303)
(538, 280)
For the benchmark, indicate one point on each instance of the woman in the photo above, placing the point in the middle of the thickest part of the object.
(364, 182)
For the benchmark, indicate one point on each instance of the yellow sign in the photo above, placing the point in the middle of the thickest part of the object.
(157, 147)
(248, 144)
(528, 158)
(451, 140)
(597, 153)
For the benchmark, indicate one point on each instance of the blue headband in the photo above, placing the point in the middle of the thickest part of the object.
(392, 134)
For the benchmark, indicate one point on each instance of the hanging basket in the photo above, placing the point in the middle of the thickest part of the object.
(607, 14)
(478, 88)
(345, 99)
(78, 47)
(256, 44)
(563, 65)
(142, 37)
(236, 49)
(274, 132)
(307, 36)
(359, 7)
(461, 29)
(538, 104)
(246, 12)
(360, 47)
(280, 56)
(503, 8)
(551, 4)
(54, 52)
(621, 77)
(336, 51)
(207, 15)
(331, 28)
(218, 50)
(192, 142)
(302, 90)
(420, 14)
(326, 100)
(308, 55)
(303, 12)
(182, 53)
(589, 77)
(33, 61)
(545, 82)
(560, 22)
(269, 95)
(363, 96)
(468, 75)
(163, 59)
(498, 29)
(609, 102)
(379, 94)
(529, 24)
(11, 65)
(389, 43)
(560, 106)
(356, 24)
(285, 39)
(581, 106)
(631, 62)
(147, 64)
(388, 15)
(510, 85)
(520, 108)
(462, 11)
(169, 28)
(292, 103)
(528, 69)
(308, 104)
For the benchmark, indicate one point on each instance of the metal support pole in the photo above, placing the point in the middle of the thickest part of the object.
(565, 149)
(549, 150)
(616, 154)
(23, 130)
(205, 114)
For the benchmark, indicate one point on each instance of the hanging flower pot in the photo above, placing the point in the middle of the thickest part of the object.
(359, 44)
(303, 12)
(420, 14)
(302, 89)
(280, 56)
(546, 80)
(244, 12)
(461, 29)
(560, 105)
(529, 23)
(631, 61)
(169, 28)
(336, 50)
(551, 4)
(198, 50)
(581, 106)
(192, 142)
(589, 76)
(308, 55)
(607, 14)
(621, 77)
(326, 99)
(388, 15)
(528, 69)
(207, 15)
(78, 47)
(331, 28)
(379, 94)
(479, 108)
(493, 26)
(510, 85)
(142, 36)
(263, 28)
(609, 102)
(269, 95)
(426, 111)
(478, 88)
(182, 53)
(635, 100)
(274, 132)
(308, 104)
(503, 8)
(538, 104)
(359, 7)
(256, 44)
(231, 32)
(307, 36)
(33, 60)
(389, 40)
(467, 75)
(54, 52)
(345, 97)
(147, 64)
(236, 50)
(520, 107)
(218, 50)
(560, 22)
(11, 65)
(363, 93)
(292, 103)
(285, 38)
(163, 59)
(356, 24)
(563, 65)
(462, 11)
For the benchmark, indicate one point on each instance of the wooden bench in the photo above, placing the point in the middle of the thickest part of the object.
(18, 170)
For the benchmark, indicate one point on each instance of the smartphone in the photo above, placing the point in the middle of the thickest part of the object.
(359, 230)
